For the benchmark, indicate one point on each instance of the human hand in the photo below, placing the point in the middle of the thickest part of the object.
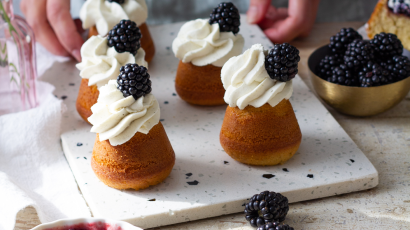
(283, 24)
(53, 26)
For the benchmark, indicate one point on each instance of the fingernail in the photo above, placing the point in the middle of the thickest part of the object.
(77, 55)
(252, 14)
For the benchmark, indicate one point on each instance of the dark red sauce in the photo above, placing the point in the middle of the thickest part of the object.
(88, 226)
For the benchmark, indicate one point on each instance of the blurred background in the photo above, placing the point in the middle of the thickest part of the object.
(167, 11)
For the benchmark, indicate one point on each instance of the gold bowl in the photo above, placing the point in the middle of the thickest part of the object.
(356, 101)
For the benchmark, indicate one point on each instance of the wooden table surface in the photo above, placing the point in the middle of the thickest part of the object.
(384, 139)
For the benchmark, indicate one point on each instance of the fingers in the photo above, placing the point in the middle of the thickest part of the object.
(272, 16)
(300, 20)
(58, 14)
(257, 10)
(35, 12)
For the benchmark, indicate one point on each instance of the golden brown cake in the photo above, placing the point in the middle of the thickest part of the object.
(260, 126)
(261, 136)
(203, 46)
(199, 85)
(146, 40)
(143, 161)
(87, 97)
(132, 149)
(385, 20)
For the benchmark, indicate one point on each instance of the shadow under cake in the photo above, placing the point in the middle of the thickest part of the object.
(143, 161)
(261, 136)
(199, 85)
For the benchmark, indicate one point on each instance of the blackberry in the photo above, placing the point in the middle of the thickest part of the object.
(358, 53)
(326, 65)
(275, 226)
(374, 75)
(399, 7)
(400, 67)
(117, 1)
(387, 45)
(266, 207)
(342, 76)
(338, 43)
(125, 37)
(227, 16)
(134, 80)
(282, 62)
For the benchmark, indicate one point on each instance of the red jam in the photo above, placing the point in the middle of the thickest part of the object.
(88, 226)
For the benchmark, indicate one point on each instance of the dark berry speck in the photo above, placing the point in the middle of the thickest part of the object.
(310, 175)
(195, 182)
(79, 144)
(268, 176)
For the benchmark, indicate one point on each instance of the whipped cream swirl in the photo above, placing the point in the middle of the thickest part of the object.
(105, 15)
(117, 119)
(247, 82)
(202, 44)
(101, 63)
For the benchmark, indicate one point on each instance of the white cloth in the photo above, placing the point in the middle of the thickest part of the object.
(33, 169)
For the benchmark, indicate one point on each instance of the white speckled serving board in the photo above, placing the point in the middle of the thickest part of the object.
(205, 181)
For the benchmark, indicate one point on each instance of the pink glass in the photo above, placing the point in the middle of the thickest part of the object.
(18, 71)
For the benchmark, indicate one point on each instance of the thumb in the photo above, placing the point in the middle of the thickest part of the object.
(257, 10)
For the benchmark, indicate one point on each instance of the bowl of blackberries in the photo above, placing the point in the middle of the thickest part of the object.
(360, 77)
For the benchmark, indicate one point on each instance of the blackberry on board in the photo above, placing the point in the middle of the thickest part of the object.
(387, 45)
(338, 43)
(266, 207)
(227, 16)
(326, 65)
(358, 53)
(281, 63)
(275, 226)
(134, 80)
(125, 37)
(117, 1)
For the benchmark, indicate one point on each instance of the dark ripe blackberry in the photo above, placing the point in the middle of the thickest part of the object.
(387, 45)
(342, 76)
(400, 67)
(399, 7)
(275, 226)
(266, 207)
(117, 1)
(125, 37)
(282, 62)
(338, 43)
(134, 80)
(227, 16)
(374, 75)
(326, 65)
(358, 53)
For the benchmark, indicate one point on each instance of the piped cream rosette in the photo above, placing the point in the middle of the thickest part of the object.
(101, 63)
(247, 82)
(203, 44)
(118, 119)
(105, 14)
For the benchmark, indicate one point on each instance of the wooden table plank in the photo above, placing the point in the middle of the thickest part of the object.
(385, 139)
